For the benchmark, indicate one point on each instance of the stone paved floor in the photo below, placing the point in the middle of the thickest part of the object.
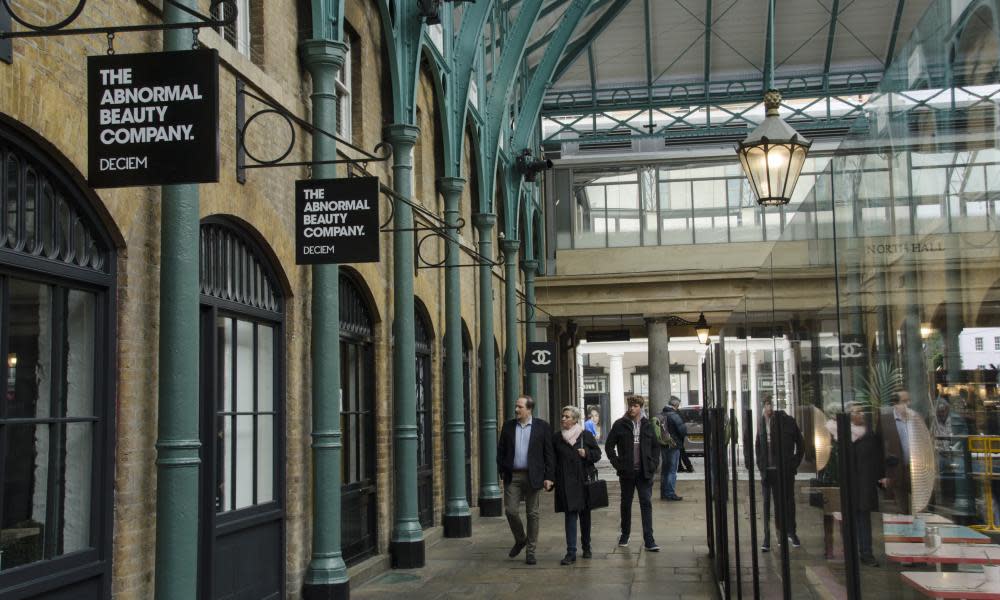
(479, 568)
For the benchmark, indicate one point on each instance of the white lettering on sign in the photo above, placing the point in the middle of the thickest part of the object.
(317, 250)
(153, 108)
(334, 231)
(124, 163)
(541, 357)
(143, 135)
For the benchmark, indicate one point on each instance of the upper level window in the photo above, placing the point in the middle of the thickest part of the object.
(979, 344)
(344, 95)
(238, 33)
(996, 343)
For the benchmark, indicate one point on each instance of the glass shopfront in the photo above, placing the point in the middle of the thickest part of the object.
(877, 334)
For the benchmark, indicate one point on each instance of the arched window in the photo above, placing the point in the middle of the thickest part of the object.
(357, 380)
(423, 337)
(242, 374)
(57, 290)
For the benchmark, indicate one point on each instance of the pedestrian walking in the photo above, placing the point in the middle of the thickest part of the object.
(526, 462)
(576, 453)
(635, 454)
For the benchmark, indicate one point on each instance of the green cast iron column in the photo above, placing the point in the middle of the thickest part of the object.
(530, 267)
(512, 382)
(326, 578)
(490, 499)
(407, 545)
(178, 443)
(457, 518)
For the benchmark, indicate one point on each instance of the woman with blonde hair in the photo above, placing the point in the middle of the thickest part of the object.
(576, 453)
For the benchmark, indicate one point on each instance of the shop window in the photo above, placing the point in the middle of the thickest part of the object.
(996, 343)
(979, 344)
(56, 290)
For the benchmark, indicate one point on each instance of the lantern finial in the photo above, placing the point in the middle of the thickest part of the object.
(772, 101)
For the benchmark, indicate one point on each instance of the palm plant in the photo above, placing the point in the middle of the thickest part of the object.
(882, 381)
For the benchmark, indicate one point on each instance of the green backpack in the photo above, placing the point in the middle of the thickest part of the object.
(662, 436)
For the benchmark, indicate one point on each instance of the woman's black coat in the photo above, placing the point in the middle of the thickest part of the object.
(868, 469)
(571, 471)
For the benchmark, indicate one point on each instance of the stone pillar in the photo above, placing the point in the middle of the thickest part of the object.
(512, 382)
(752, 379)
(407, 543)
(326, 577)
(178, 442)
(457, 517)
(738, 367)
(787, 361)
(578, 380)
(490, 499)
(658, 340)
(616, 387)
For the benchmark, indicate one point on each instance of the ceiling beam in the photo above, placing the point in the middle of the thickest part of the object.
(769, 48)
(831, 33)
(548, 36)
(581, 43)
(708, 42)
(893, 33)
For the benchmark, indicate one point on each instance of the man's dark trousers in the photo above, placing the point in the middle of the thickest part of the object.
(769, 489)
(644, 486)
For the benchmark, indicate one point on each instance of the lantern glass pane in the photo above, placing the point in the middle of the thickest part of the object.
(756, 166)
(778, 160)
(795, 167)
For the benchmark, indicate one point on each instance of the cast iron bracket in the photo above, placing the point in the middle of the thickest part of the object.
(59, 28)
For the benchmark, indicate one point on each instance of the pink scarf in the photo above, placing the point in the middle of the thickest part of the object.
(572, 434)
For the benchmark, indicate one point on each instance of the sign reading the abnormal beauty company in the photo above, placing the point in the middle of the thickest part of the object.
(336, 221)
(153, 119)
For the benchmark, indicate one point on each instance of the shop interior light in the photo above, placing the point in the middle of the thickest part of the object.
(772, 155)
(925, 330)
(11, 360)
(822, 441)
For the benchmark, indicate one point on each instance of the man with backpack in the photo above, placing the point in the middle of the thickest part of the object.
(670, 433)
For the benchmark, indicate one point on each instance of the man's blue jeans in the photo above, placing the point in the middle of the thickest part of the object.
(571, 517)
(668, 481)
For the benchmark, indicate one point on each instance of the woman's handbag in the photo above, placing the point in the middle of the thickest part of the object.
(596, 490)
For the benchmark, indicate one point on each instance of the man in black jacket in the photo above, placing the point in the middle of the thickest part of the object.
(673, 425)
(527, 463)
(777, 473)
(632, 448)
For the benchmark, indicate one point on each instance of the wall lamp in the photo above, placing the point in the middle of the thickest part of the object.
(530, 167)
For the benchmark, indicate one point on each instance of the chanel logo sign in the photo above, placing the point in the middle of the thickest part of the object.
(540, 357)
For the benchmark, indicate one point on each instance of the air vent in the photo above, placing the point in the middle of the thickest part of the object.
(608, 140)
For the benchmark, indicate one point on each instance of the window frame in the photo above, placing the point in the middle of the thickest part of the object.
(345, 89)
(99, 276)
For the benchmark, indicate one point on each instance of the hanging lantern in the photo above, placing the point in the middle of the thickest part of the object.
(701, 328)
(772, 155)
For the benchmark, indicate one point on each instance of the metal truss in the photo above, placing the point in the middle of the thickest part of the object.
(696, 110)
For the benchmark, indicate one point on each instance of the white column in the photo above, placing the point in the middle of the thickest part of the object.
(786, 364)
(581, 402)
(738, 402)
(616, 387)
(701, 373)
(752, 376)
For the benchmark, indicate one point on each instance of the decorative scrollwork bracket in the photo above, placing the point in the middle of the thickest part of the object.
(59, 28)
(381, 153)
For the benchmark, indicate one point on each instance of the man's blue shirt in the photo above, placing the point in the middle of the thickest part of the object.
(522, 437)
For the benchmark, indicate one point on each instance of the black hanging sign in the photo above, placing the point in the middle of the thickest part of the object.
(541, 357)
(153, 119)
(336, 221)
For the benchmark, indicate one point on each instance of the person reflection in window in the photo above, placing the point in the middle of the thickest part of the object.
(868, 469)
(894, 427)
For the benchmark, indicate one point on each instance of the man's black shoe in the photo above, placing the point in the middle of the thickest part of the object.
(568, 559)
(765, 547)
(623, 541)
(530, 559)
(794, 539)
(675, 498)
(587, 553)
(652, 548)
(518, 546)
